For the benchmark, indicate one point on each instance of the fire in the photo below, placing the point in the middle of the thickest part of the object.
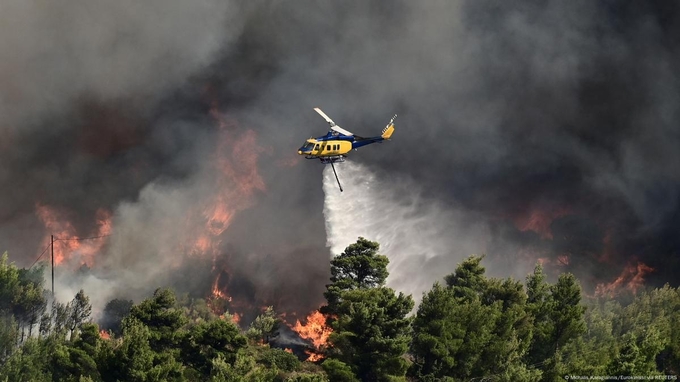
(539, 221)
(234, 171)
(315, 330)
(236, 318)
(313, 357)
(563, 259)
(104, 335)
(288, 350)
(67, 241)
(217, 293)
(632, 278)
(237, 178)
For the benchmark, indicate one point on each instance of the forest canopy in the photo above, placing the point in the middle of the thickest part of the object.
(468, 326)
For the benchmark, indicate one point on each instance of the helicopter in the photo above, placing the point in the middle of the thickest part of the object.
(338, 142)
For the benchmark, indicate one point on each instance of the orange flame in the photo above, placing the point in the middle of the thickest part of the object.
(544, 261)
(104, 335)
(538, 220)
(67, 242)
(236, 180)
(288, 350)
(316, 331)
(236, 318)
(217, 293)
(632, 278)
(313, 357)
(563, 259)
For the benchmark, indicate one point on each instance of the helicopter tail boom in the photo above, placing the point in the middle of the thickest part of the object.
(389, 129)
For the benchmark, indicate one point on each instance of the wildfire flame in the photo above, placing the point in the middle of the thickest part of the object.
(217, 293)
(563, 259)
(67, 241)
(104, 335)
(316, 331)
(313, 357)
(539, 220)
(236, 318)
(632, 278)
(236, 180)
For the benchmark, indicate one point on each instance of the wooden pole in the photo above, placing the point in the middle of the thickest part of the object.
(52, 244)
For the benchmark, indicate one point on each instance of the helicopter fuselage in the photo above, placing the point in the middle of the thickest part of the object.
(334, 145)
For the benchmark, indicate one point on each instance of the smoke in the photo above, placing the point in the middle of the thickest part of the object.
(532, 130)
(58, 54)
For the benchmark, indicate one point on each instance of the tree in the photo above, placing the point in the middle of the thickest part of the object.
(80, 310)
(71, 363)
(468, 279)
(21, 294)
(338, 371)
(591, 353)
(372, 332)
(134, 357)
(279, 359)
(114, 313)
(163, 319)
(29, 302)
(567, 313)
(28, 363)
(9, 336)
(208, 340)
(628, 361)
(264, 327)
(9, 284)
(60, 315)
(370, 329)
(558, 317)
(359, 266)
(473, 328)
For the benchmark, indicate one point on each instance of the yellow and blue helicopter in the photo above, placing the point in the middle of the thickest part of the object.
(334, 146)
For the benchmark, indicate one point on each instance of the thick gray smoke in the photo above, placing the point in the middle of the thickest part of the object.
(526, 130)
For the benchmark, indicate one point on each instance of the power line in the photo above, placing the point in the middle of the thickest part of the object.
(82, 238)
(43, 252)
(57, 239)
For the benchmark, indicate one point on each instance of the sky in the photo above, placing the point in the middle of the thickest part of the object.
(527, 131)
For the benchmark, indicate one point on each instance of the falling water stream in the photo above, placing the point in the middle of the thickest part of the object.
(423, 239)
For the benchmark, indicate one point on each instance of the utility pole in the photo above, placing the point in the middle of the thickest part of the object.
(52, 244)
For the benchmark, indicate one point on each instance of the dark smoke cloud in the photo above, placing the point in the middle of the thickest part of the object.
(504, 109)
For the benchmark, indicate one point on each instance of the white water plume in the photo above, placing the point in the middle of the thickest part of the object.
(423, 239)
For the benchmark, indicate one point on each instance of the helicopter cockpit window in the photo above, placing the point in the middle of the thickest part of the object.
(316, 147)
(308, 146)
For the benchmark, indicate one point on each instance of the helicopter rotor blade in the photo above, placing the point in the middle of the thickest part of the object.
(321, 113)
(334, 127)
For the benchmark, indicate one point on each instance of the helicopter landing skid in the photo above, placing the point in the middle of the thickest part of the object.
(331, 160)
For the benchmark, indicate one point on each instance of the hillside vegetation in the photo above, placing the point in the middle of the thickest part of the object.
(467, 327)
